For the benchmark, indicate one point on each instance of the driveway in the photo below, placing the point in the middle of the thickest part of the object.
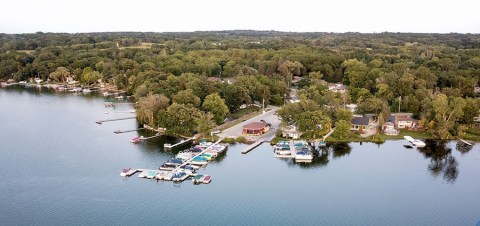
(269, 117)
(372, 131)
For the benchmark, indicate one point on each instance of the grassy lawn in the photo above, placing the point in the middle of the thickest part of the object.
(472, 134)
(414, 134)
(243, 112)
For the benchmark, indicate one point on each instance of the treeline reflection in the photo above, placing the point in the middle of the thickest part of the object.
(442, 162)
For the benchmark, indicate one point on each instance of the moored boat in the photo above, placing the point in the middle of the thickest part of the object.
(180, 176)
(167, 167)
(198, 178)
(152, 174)
(136, 140)
(207, 179)
(198, 160)
(303, 155)
(127, 172)
(414, 142)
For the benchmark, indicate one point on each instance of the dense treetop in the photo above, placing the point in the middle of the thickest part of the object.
(383, 71)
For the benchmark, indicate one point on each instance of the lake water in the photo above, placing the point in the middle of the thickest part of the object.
(60, 168)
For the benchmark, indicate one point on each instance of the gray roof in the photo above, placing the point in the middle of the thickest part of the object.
(363, 121)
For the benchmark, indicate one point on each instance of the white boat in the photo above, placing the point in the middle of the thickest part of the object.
(415, 142)
(302, 155)
(180, 176)
(86, 91)
(185, 155)
(152, 174)
(37, 80)
(127, 172)
(168, 176)
(161, 174)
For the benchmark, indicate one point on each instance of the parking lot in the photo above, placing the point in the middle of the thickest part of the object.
(268, 117)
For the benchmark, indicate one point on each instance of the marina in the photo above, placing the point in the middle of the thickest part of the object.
(177, 169)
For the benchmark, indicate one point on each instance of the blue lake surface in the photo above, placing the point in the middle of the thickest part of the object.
(60, 168)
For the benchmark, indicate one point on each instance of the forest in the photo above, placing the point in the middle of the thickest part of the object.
(190, 81)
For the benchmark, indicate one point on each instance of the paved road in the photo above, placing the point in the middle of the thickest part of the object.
(269, 117)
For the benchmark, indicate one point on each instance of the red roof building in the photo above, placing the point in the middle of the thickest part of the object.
(255, 129)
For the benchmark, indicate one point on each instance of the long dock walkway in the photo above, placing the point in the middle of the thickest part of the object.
(252, 146)
(202, 152)
(170, 146)
(115, 119)
(126, 131)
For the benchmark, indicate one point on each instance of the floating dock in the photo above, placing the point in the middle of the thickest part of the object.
(252, 146)
(111, 120)
(170, 146)
(464, 141)
(126, 131)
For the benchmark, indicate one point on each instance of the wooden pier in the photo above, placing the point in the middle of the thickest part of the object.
(464, 141)
(126, 131)
(252, 146)
(170, 146)
(111, 120)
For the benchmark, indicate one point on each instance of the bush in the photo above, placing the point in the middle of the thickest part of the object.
(229, 140)
(241, 139)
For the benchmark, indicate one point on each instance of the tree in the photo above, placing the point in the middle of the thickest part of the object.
(205, 122)
(60, 74)
(470, 111)
(187, 97)
(148, 107)
(342, 129)
(313, 123)
(289, 68)
(178, 119)
(343, 114)
(445, 112)
(235, 96)
(90, 76)
(216, 105)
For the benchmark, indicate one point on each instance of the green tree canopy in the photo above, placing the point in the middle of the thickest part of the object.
(216, 105)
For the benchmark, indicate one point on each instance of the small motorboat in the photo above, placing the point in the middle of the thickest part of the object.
(174, 162)
(207, 179)
(197, 179)
(322, 144)
(167, 167)
(152, 174)
(127, 172)
(180, 176)
(303, 155)
(136, 140)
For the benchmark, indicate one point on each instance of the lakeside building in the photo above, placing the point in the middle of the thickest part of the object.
(255, 129)
(360, 123)
(291, 132)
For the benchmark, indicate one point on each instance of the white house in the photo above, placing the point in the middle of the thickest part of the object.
(291, 132)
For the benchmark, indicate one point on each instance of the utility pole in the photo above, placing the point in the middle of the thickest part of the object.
(263, 105)
(399, 102)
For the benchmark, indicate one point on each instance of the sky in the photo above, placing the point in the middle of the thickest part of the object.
(367, 16)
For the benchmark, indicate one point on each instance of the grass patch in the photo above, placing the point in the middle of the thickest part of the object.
(243, 112)
(472, 134)
(245, 117)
